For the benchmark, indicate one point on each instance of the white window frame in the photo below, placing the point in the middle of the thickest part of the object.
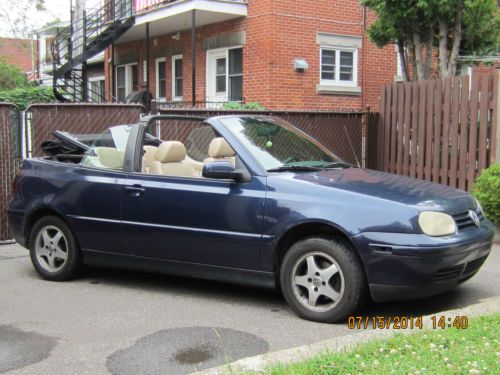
(337, 81)
(128, 78)
(211, 95)
(157, 77)
(174, 59)
(95, 79)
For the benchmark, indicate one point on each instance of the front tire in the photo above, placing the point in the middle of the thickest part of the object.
(322, 280)
(53, 250)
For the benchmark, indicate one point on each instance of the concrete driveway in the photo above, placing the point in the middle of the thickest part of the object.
(122, 322)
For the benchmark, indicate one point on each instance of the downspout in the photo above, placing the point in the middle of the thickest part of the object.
(193, 59)
(363, 54)
(147, 56)
(364, 116)
(112, 96)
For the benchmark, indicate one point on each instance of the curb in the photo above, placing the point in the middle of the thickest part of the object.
(260, 362)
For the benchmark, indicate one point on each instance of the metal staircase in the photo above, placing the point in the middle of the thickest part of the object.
(86, 36)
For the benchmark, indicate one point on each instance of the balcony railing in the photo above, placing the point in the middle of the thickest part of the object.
(141, 6)
(166, 105)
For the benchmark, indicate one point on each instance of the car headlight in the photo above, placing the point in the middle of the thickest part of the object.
(436, 223)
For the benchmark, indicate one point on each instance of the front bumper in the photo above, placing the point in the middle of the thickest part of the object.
(403, 266)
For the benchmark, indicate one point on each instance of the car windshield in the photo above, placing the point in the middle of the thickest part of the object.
(277, 145)
(108, 148)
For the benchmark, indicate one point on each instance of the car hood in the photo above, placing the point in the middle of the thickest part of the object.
(405, 190)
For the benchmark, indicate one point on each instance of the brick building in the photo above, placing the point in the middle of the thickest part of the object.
(17, 52)
(282, 54)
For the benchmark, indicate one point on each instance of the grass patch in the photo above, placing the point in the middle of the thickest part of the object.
(475, 350)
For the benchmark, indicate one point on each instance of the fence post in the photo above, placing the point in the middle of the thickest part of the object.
(154, 107)
(363, 136)
(9, 154)
(495, 129)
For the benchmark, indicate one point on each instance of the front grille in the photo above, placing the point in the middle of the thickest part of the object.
(448, 273)
(473, 266)
(459, 271)
(464, 221)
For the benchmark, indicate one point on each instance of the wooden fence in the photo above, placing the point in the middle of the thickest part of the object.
(444, 131)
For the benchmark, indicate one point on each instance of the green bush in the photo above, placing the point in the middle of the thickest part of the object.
(487, 191)
(11, 76)
(23, 97)
(251, 106)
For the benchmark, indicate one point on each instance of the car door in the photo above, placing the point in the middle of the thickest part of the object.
(93, 195)
(198, 220)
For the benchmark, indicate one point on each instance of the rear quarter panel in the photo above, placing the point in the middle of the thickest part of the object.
(72, 192)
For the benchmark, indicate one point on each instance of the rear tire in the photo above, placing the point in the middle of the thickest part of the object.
(322, 280)
(53, 250)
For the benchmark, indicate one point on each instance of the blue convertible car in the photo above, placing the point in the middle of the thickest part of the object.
(245, 199)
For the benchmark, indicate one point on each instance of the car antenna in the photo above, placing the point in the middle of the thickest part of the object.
(352, 148)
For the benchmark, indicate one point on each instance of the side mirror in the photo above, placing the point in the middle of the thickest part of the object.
(222, 170)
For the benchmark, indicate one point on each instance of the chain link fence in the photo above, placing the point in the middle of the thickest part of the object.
(341, 132)
(43, 119)
(9, 154)
(351, 135)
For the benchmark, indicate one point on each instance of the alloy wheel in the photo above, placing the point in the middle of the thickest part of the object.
(51, 248)
(317, 281)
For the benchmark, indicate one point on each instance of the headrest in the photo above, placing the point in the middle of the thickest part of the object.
(149, 154)
(219, 148)
(171, 152)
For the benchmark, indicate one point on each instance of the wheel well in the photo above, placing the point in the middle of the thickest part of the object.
(306, 230)
(37, 215)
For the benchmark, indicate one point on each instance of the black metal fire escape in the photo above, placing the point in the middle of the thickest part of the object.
(84, 38)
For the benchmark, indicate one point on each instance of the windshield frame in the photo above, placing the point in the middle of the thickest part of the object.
(232, 138)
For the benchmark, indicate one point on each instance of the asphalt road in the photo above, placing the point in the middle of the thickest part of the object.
(121, 322)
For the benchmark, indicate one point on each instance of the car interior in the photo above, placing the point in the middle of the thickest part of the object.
(171, 159)
(167, 158)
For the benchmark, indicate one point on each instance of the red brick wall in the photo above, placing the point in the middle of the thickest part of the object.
(278, 31)
(485, 69)
(16, 52)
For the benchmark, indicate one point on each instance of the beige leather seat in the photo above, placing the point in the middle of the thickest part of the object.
(148, 158)
(197, 165)
(219, 150)
(170, 160)
(106, 158)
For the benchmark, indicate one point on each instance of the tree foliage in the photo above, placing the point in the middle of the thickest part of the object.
(18, 15)
(11, 76)
(454, 27)
(24, 96)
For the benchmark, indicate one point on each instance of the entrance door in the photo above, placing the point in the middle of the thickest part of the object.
(217, 90)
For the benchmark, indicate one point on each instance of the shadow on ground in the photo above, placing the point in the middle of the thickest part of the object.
(465, 295)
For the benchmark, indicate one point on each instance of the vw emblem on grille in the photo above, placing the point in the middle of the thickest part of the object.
(474, 218)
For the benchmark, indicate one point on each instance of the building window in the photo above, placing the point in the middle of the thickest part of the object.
(177, 80)
(338, 67)
(127, 81)
(48, 49)
(225, 75)
(235, 76)
(161, 78)
(220, 75)
(96, 89)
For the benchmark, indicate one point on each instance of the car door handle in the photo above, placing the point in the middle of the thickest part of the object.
(135, 190)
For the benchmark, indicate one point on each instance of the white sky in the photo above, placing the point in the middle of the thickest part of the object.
(55, 9)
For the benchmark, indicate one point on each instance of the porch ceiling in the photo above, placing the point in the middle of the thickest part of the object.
(176, 16)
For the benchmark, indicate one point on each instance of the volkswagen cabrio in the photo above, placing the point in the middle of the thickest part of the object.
(244, 199)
